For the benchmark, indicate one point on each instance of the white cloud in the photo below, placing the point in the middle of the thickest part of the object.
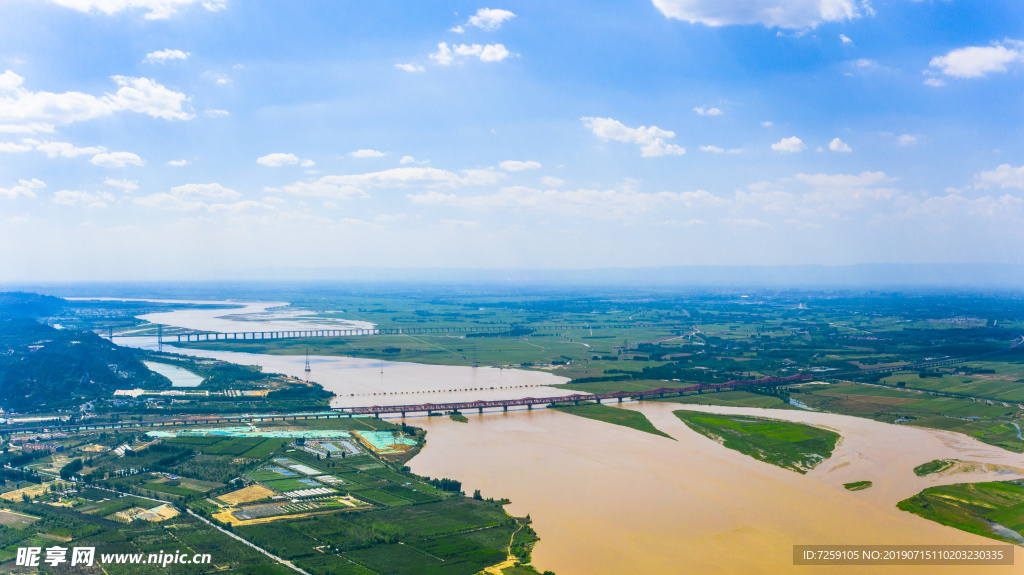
(77, 198)
(277, 159)
(651, 140)
(934, 82)
(749, 223)
(791, 14)
(486, 53)
(708, 111)
(906, 140)
(321, 189)
(460, 224)
(116, 160)
(213, 191)
(406, 160)
(713, 149)
(410, 67)
(126, 185)
(845, 39)
(164, 56)
(25, 111)
(517, 166)
(22, 189)
(307, 163)
(767, 124)
(844, 180)
(367, 154)
(64, 149)
(155, 9)
(457, 29)
(789, 145)
(489, 19)
(977, 61)
(219, 79)
(178, 163)
(404, 177)
(606, 204)
(837, 145)
(196, 197)
(214, 113)
(1005, 176)
(12, 148)
(443, 56)
(552, 181)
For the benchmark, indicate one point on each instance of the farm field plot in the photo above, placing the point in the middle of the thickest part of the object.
(285, 485)
(16, 520)
(381, 498)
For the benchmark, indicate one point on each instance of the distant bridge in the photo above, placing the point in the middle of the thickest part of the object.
(575, 398)
(261, 335)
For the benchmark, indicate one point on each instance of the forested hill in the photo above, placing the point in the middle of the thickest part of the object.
(43, 368)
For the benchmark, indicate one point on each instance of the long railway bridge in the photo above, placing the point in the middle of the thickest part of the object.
(285, 334)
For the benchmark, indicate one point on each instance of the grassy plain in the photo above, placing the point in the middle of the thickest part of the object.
(790, 445)
(615, 415)
(974, 508)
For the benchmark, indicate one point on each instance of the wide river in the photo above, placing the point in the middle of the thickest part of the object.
(608, 499)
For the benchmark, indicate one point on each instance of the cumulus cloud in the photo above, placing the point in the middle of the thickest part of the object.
(934, 82)
(789, 145)
(486, 53)
(116, 160)
(767, 124)
(155, 9)
(1005, 176)
(322, 189)
(708, 111)
(906, 140)
(712, 149)
(466, 224)
(410, 67)
(978, 61)
(126, 185)
(24, 188)
(606, 204)
(213, 191)
(845, 39)
(12, 148)
(197, 197)
(277, 159)
(862, 179)
(25, 111)
(214, 113)
(489, 19)
(790, 14)
(651, 140)
(77, 198)
(552, 181)
(165, 56)
(406, 160)
(517, 166)
(367, 154)
(837, 145)
(178, 163)
(64, 149)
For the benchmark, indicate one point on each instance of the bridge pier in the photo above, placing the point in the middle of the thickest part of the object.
(481, 410)
(529, 407)
(403, 415)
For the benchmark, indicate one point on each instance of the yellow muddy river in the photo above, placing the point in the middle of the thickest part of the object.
(609, 499)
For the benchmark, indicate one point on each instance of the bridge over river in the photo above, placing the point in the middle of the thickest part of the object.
(260, 335)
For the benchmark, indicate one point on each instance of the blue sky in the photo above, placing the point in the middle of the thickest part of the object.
(160, 139)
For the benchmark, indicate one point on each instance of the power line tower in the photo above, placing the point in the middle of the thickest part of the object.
(308, 370)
